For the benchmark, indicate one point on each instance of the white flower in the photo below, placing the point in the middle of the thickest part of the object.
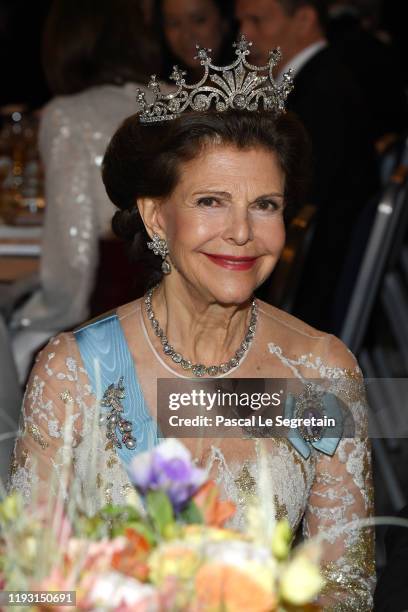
(112, 589)
(301, 581)
(173, 449)
(256, 561)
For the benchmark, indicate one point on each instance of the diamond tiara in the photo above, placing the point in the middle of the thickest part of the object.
(239, 86)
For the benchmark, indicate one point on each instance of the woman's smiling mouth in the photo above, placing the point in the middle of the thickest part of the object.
(231, 262)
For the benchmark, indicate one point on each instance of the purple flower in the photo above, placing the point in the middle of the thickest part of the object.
(169, 468)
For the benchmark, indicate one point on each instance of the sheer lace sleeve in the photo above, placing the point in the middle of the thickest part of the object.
(51, 423)
(342, 493)
(70, 239)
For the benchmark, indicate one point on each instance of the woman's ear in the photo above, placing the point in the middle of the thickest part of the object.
(149, 210)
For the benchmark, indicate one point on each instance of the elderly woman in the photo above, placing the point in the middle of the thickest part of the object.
(207, 190)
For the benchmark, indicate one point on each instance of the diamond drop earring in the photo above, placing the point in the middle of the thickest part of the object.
(159, 247)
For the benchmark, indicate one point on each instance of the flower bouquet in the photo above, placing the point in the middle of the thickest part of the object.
(167, 549)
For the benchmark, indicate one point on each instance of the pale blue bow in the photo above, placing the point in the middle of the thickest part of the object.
(325, 444)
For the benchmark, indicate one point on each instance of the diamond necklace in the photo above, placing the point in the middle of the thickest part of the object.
(198, 369)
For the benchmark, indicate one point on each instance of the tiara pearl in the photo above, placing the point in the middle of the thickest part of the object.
(240, 86)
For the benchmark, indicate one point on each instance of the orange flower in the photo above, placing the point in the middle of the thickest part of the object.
(215, 512)
(132, 560)
(224, 587)
(126, 564)
(139, 542)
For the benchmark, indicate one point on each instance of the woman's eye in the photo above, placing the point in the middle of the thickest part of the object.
(267, 205)
(207, 202)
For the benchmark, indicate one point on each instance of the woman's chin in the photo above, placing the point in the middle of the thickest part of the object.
(234, 293)
(227, 288)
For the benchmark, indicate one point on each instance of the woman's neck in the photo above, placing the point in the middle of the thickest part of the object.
(203, 331)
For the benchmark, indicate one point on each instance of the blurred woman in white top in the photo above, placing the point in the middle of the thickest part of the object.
(96, 54)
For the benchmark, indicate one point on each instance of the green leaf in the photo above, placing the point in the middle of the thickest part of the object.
(191, 514)
(111, 511)
(160, 510)
(91, 527)
(132, 514)
(145, 531)
(117, 517)
(141, 528)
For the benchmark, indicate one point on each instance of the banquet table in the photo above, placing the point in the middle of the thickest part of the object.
(20, 251)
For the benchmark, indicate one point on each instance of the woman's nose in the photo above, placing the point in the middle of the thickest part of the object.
(238, 227)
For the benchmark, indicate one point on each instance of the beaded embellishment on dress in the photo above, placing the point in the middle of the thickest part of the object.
(112, 398)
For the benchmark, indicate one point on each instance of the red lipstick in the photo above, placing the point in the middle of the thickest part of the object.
(231, 262)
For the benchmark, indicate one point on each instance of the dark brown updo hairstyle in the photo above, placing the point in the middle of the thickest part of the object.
(143, 160)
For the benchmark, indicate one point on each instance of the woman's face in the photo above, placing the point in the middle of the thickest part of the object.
(190, 22)
(224, 221)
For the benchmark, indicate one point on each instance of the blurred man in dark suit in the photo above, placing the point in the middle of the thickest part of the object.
(332, 107)
(373, 63)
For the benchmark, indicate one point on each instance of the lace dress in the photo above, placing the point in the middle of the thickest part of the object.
(321, 493)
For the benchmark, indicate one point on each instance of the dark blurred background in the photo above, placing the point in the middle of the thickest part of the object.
(22, 21)
(21, 25)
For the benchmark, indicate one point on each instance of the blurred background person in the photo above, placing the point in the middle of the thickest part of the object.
(23, 80)
(372, 63)
(96, 53)
(182, 24)
(332, 107)
(394, 16)
(148, 9)
(367, 11)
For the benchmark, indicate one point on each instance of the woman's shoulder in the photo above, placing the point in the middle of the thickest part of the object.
(292, 325)
(59, 108)
(297, 340)
(58, 361)
(61, 357)
(72, 100)
(102, 107)
(66, 341)
(129, 309)
(122, 312)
